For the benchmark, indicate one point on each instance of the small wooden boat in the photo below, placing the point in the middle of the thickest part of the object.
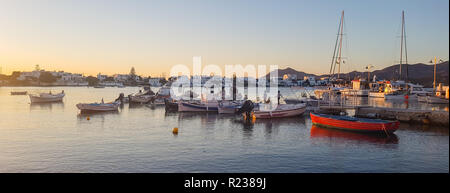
(354, 124)
(98, 107)
(195, 106)
(281, 110)
(46, 97)
(229, 107)
(142, 97)
(18, 92)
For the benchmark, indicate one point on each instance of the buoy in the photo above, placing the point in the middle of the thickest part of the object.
(175, 130)
(426, 121)
(406, 97)
(88, 118)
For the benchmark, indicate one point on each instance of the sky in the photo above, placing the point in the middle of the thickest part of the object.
(111, 36)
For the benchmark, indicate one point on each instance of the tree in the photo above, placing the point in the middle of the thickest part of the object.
(132, 72)
(92, 81)
(47, 77)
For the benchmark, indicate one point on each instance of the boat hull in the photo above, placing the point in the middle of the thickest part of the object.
(141, 99)
(436, 100)
(197, 107)
(18, 93)
(376, 94)
(357, 125)
(297, 110)
(228, 107)
(46, 99)
(95, 107)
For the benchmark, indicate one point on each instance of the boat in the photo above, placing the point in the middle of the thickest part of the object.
(18, 92)
(265, 111)
(170, 105)
(358, 89)
(142, 97)
(436, 100)
(354, 123)
(98, 107)
(99, 86)
(46, 97)
(195, 106)
(326, 133)
(422, 98)
(229, 107)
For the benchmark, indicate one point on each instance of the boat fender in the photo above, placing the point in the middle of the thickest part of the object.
(88, 118)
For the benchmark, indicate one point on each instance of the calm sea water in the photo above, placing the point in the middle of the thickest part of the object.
(56, 138)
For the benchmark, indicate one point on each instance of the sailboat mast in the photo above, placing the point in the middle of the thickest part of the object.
(333, 60)
(406, 53)
(340, 44)
(401, 47)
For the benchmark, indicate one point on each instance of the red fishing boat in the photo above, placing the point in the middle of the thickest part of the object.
(355, 124)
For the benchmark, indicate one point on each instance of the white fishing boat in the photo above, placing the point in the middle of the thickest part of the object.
(98, 107)
(197, 106)
(281, 110)
(47, 97)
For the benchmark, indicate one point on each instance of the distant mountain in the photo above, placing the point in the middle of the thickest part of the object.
(417, 73)
(291, 71)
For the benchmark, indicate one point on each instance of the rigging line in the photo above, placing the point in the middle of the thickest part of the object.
(334, 52)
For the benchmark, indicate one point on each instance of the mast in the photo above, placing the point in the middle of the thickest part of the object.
(403, 43)
(337, 50)
(333, 64)
(340, 44)
(406, 53)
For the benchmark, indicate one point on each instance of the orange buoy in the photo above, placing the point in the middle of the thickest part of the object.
(88, 118)
(175, 130)
(406, 97)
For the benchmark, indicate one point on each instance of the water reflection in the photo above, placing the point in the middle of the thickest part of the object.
(319, 132)
(47, 106)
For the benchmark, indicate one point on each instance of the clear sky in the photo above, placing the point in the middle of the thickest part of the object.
(111, 36)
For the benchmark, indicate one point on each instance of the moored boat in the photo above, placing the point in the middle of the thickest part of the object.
(229, 107)
(18, 92)
(281, 110)
(98, 107)
(354, 124)
(46, 97)
(195, 106)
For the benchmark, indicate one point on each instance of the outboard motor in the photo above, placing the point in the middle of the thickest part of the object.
(246, 108)
(120, 98)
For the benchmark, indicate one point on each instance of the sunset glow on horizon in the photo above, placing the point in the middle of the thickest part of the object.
(110, 37)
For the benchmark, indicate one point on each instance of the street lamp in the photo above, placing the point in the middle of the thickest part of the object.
(434, 80)
(368, 67)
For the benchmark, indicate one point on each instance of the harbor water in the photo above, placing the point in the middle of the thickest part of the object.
(55, 137)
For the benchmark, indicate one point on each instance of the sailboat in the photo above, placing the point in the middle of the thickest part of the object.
(336, 61)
